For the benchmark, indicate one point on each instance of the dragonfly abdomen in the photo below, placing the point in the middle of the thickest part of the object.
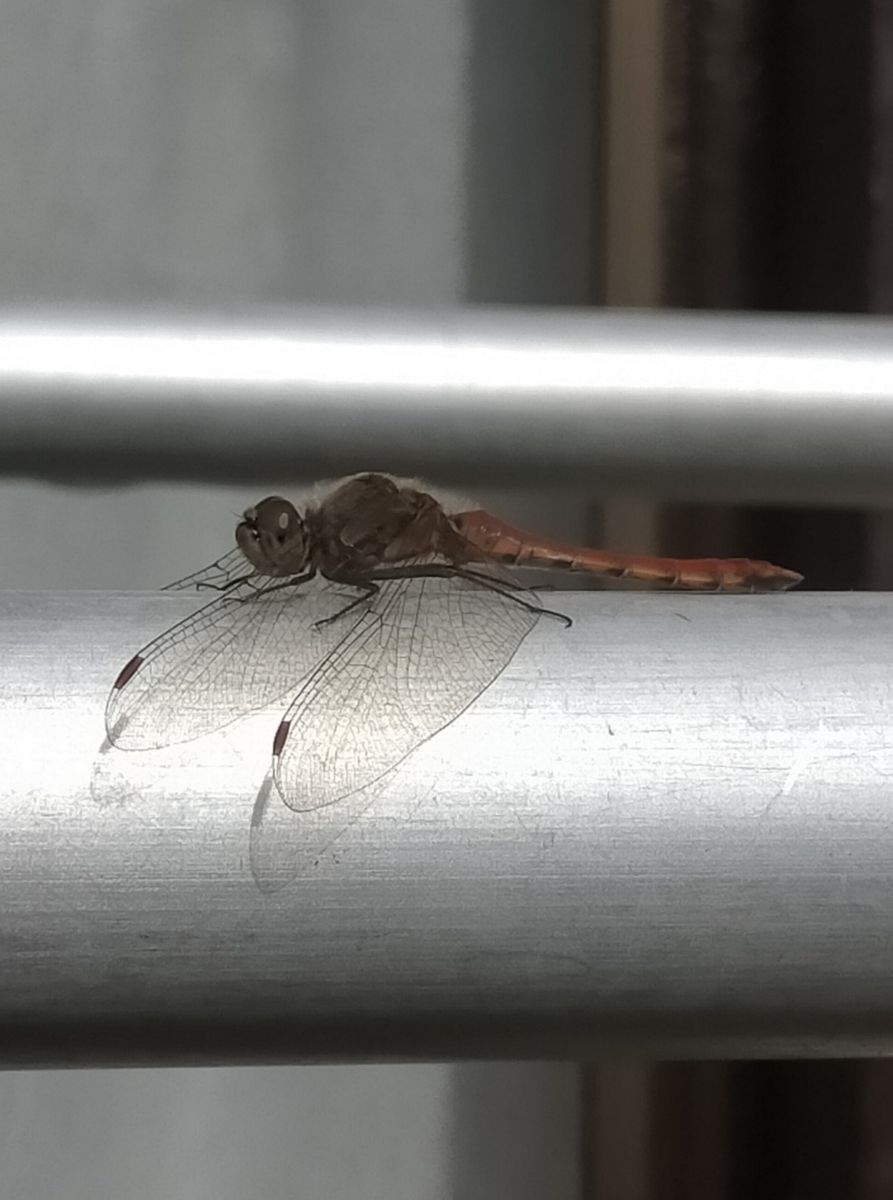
(512, 546)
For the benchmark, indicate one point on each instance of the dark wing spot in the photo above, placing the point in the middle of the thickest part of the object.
(127, 672)
(281, 738)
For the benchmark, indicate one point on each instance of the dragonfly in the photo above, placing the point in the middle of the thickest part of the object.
(376, 615)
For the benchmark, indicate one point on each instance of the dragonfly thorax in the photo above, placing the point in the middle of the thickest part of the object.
(273, 537)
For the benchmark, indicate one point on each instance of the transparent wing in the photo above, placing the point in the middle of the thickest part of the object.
(237, 654)
(418, 656)
(218, 575)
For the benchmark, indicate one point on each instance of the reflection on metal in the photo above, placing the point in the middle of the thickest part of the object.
(665, 830)
(768, 407)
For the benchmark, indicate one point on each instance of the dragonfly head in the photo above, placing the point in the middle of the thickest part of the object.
(273, 537)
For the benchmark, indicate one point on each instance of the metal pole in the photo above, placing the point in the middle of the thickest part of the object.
(739, 406)
(666, 830)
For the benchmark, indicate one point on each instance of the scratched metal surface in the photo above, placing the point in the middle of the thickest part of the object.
(666, 829)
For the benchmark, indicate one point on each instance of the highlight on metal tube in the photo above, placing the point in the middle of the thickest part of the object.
(762, 407)
(665, 829)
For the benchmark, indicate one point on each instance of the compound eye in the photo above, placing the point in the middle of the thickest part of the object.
(269, 512)
(272, 537)
(278, 519)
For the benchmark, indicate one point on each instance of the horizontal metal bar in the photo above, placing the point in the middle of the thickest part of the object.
(674, 404)
(667, 830)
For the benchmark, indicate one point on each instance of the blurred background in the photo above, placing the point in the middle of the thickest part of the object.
(689, 153)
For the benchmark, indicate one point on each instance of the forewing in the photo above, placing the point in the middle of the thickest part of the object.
(237, 654)
(416, 659)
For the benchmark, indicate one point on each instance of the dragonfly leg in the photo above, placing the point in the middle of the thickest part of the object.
(504, 588)
(447, 571)
(368, 588)
(295, 581)
(222, 587)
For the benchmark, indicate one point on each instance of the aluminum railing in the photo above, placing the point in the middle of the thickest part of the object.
(769, 408)
(667, 829)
